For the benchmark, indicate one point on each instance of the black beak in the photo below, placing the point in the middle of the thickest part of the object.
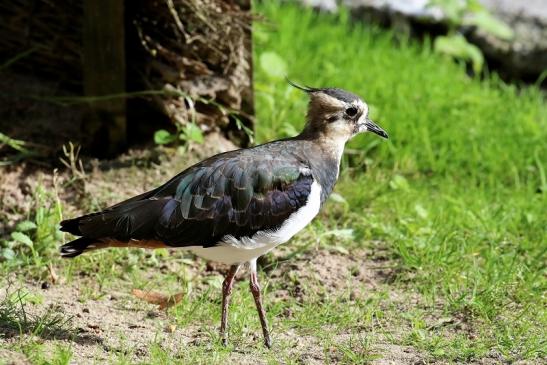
(374, 128)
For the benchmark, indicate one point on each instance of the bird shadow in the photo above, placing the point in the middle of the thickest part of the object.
(79, 335)
(17, 321)
(146, 159)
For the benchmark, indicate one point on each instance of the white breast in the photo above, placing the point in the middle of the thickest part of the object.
(245, 249)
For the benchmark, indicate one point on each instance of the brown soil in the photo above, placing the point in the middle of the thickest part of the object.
(119, 322)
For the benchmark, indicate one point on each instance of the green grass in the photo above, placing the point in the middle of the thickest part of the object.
(453, 204)
(15, 319)
(457, 195)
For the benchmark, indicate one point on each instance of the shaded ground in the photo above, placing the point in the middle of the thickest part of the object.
(27, 113)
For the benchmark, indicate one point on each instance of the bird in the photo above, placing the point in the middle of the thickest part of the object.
(236, 206)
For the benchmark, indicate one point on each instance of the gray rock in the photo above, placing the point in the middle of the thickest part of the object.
(525, 56)
(409, 8)
(529, 8)
(323, 5)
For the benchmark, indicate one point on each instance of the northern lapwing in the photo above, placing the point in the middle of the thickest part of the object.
(236, 206)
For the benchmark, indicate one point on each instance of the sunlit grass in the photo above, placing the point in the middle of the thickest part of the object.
(458, 192)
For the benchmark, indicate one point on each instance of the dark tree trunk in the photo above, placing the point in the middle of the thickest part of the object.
(193, 57)
(104, 74)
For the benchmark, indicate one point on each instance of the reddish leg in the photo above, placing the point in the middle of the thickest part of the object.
(255, 289)
(227, 286)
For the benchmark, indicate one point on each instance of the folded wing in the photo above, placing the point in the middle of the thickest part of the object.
(229, 194)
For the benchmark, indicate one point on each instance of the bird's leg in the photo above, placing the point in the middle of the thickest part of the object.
(255, 289)
(227, 286)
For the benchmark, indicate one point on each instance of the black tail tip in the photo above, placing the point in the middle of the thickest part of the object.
(71, 226)
(70, 252)
(75, 248)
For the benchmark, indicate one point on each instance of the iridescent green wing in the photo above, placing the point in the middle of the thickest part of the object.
(235, 196)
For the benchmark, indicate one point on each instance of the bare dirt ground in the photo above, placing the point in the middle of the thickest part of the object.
(111, 325)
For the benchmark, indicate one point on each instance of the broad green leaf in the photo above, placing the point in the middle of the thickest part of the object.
(273, 65)
(163, 137)
(22, 238)
(8, 253)
(25, 226)
(488, 23)
(193, 133)
(458, 47)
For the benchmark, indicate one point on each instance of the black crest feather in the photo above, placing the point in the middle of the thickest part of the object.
(305, 88)
(337, 93)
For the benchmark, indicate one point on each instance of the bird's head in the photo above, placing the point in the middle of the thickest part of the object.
(337, 114)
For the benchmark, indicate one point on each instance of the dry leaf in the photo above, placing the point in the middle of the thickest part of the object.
(163, 301)
(52, 274)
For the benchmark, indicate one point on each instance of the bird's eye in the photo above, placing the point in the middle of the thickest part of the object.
(351, 111)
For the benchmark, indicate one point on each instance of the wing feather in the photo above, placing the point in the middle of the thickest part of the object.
(232, 194)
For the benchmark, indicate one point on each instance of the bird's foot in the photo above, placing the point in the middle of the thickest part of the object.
(223, 337)
(268, 341)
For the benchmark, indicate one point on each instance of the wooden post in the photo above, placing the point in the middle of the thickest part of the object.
(247, 104)
(104, 74)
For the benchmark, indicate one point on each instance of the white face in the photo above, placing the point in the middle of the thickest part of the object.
(361, 122)
(339, 115)
(345, 119)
